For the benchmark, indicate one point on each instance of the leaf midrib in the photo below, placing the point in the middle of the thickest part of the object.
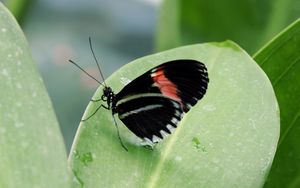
(273, 50)
(158, 169)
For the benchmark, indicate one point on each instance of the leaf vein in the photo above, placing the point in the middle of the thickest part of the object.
(289, 128)
(286, 71)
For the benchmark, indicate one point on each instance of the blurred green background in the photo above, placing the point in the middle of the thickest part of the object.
(58, 30)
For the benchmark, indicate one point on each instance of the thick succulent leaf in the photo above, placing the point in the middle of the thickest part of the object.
(227, 140)
(32, 152)
(280, 59)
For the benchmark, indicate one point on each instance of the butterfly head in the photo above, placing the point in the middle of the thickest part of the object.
(108, 95)
(106, 91)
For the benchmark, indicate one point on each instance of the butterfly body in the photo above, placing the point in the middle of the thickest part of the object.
(152, 105)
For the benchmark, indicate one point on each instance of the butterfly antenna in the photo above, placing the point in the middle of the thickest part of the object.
(91, 46)
(119, 134)
(85, 71)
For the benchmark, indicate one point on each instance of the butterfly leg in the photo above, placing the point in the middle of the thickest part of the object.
(96, 100)
(95, 112)
(122, 144)
(103, 98)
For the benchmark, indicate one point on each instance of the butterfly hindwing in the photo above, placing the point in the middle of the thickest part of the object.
(150, 116)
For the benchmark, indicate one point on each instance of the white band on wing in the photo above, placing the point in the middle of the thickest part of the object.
(136, 111)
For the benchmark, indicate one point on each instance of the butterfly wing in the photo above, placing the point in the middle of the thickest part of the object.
(150, 116)
(182, 80)
(157, 99)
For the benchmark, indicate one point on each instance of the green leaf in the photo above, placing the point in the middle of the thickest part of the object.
(19, 8)
(32, 152)
(227, 140)
(249, 23)
(280, 59)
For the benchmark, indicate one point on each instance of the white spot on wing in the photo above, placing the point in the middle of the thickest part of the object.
(153, 70)
(156, 139)
(148, 141)
(154, 85)
(189, 106)
(153, 74)
(163, 133)
(176, 105)
(177, 113)
(171, 128)
(174, 120)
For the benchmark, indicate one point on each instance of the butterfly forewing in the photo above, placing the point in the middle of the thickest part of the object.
(188, 77)
(150, 116)
(182, 80)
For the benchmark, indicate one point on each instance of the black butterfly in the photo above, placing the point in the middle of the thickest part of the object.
(152, 105)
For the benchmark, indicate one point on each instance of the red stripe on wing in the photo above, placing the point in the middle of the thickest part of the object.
(166, 87)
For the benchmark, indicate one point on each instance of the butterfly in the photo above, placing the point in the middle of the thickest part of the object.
(152, 105)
